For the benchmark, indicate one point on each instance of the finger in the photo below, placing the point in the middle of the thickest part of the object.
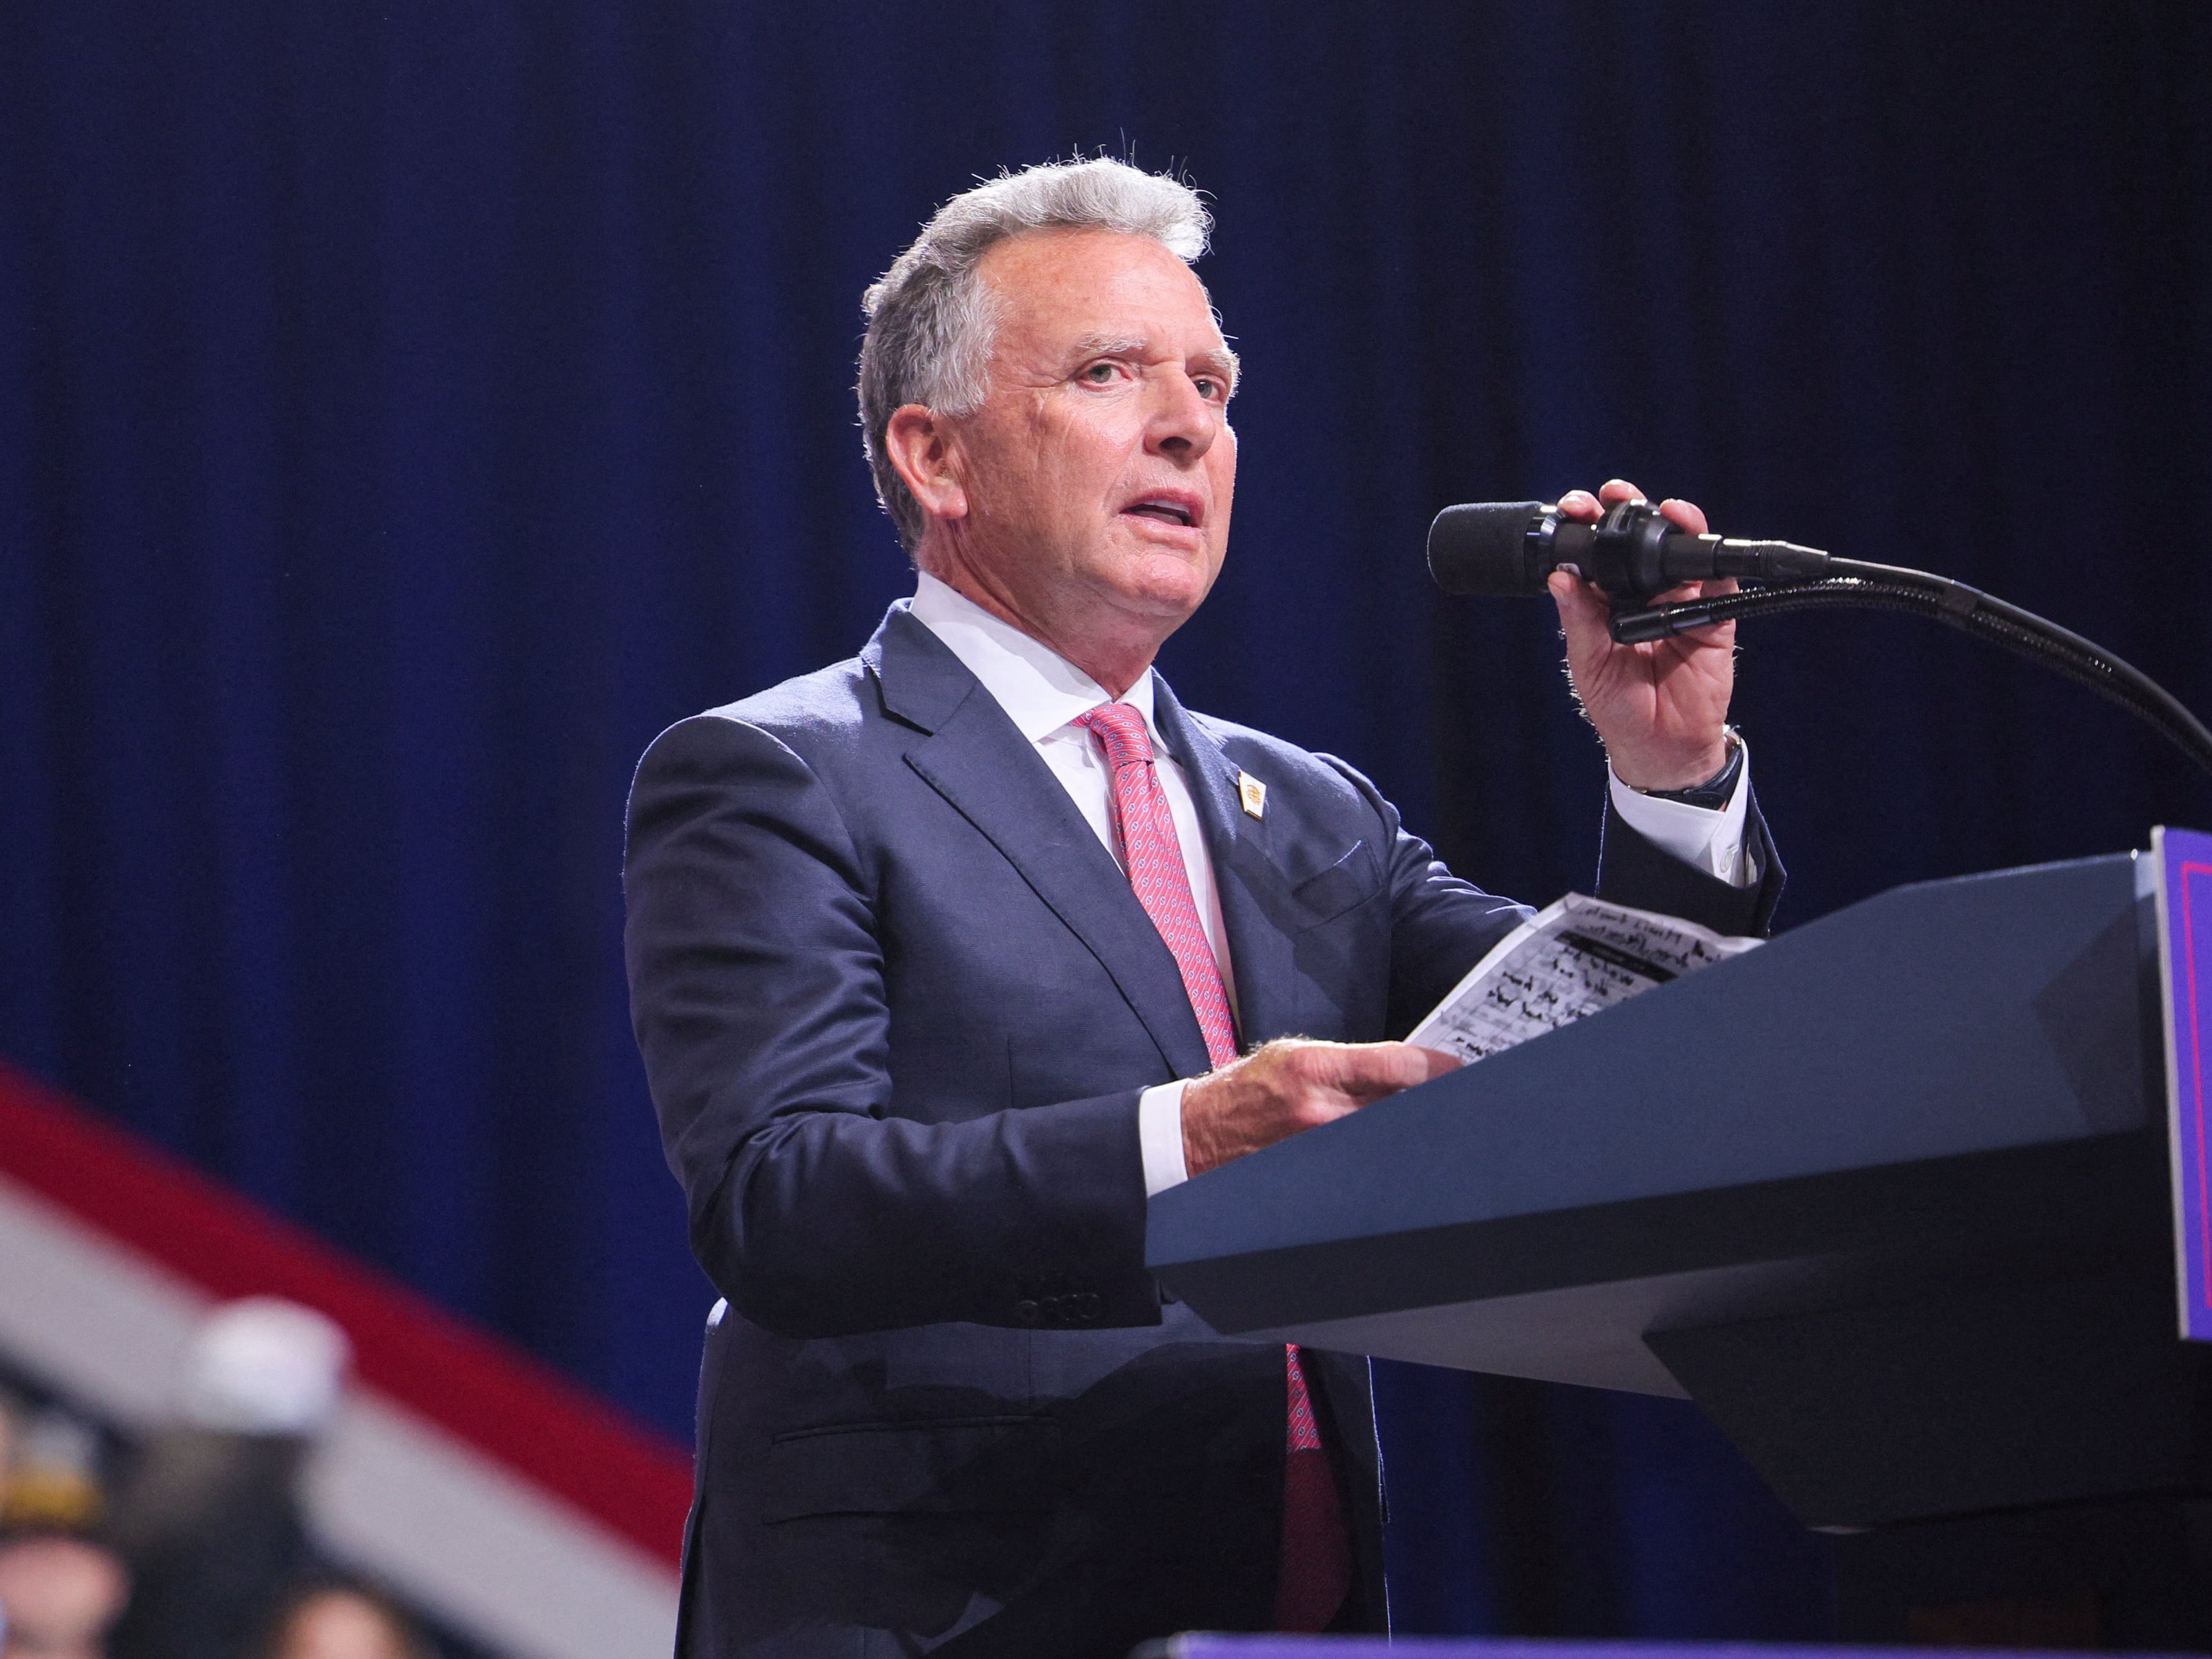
(1415, 1066)
(1372, 1070)
(1582, 606)
(1579, 504)
(1688, 514)
(1619, 490)
(1437, 1062)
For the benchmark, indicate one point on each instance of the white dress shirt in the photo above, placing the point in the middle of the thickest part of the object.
(1043, 693)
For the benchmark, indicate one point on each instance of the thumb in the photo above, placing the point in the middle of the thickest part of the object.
(1582, 610)
(1372, 1070)
(1434, 1062)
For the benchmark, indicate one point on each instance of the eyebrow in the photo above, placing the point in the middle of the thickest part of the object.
(1223, 362)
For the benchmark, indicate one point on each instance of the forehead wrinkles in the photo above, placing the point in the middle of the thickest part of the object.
(1043, 283)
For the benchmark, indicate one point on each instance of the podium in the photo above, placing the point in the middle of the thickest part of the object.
(1888, 1199)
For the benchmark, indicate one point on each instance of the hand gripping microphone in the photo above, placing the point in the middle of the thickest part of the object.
(1505, 549)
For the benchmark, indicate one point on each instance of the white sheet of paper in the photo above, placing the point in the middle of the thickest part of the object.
(1575, 957)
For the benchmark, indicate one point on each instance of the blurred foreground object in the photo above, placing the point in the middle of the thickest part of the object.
(264, 1366)
(210, 1522)
(60, 1595)
(52, 1481)
(503, 1502)
(338, 1621)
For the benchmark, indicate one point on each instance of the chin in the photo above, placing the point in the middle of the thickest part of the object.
(1169, 579)
(1170, 599)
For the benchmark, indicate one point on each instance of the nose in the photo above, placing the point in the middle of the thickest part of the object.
(1184, 423)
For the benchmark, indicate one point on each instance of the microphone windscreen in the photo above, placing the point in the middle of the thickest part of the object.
(1482, 549)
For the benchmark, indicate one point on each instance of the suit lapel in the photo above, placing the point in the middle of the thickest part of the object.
(1245, 874)
(971, 754)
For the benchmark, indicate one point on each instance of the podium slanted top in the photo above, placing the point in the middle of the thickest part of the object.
(1933, 1081)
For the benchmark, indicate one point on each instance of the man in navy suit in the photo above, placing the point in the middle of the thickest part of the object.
(945, 959)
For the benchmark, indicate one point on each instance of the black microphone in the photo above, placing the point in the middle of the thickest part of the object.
(1506, 549)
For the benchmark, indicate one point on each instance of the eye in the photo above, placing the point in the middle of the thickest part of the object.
(1098, 373)
(1208, 386)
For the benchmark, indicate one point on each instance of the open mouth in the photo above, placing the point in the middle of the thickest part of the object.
(1166, 509)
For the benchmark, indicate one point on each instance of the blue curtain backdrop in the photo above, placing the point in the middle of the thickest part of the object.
(407, 410)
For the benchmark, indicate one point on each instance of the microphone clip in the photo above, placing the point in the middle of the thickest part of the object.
(1623, 553)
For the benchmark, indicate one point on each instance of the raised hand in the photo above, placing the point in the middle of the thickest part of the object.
(1660, 707)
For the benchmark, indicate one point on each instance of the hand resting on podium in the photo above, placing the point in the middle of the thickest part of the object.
(1293, 1084)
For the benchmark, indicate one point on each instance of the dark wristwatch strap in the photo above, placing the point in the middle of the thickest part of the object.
(1715, 790)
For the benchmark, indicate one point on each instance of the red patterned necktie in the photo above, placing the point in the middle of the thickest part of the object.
(1316, 1557)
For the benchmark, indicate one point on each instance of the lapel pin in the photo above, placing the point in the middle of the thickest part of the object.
(1253, 795)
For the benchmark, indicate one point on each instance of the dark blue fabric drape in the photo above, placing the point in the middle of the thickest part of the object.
(405, 411)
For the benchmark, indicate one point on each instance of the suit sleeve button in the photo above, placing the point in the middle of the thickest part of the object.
(1089, 1306)
(1026, 1311)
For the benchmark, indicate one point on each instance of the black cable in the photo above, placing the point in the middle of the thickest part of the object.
(1856, 585)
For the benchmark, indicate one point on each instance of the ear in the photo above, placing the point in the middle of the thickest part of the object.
(924, 453)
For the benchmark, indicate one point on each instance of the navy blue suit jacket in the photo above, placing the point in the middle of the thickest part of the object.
(897, 1003)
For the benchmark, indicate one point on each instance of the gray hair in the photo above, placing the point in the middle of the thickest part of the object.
(931, 320)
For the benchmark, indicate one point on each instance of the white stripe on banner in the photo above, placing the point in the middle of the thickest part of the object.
(461, 1536)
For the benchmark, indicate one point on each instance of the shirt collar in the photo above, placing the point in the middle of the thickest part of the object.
(1039, 689)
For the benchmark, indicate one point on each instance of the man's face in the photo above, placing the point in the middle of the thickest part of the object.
(1099, 472)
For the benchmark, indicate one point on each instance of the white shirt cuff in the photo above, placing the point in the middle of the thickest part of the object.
(1159, 1135)
(1711, 840)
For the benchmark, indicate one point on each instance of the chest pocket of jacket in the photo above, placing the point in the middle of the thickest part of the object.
(1344, 885)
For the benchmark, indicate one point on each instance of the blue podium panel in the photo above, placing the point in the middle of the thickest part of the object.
(2183, 860)
(1950, 1083)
